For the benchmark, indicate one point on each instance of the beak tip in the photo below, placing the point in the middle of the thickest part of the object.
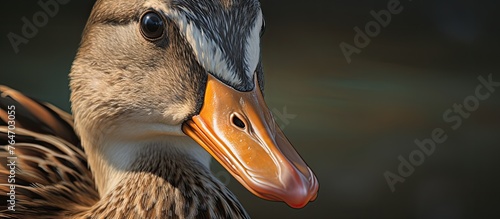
(305, 191)
(300, 200)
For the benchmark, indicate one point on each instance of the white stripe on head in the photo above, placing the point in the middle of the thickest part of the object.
(209, 55)
(252, 50)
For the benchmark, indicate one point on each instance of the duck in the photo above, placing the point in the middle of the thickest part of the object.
(158, 89)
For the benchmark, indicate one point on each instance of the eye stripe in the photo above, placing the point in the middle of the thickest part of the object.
(225, 41)
(208, 53)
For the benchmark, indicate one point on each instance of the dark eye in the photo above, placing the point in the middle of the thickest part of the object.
(152, 26)
(263, 28)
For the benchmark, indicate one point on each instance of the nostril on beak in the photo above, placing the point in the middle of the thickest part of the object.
(238, 122)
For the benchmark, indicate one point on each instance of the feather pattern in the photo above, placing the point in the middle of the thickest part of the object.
(52, 178)
(51, 174)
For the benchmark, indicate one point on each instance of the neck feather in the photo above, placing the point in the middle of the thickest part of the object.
(113, 159)
(165, 178)
(165, 182)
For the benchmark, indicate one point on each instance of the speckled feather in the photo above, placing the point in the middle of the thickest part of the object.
(53, 180)
(52, 176)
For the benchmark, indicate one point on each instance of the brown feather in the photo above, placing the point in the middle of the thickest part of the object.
(53, 180)
(50, 170)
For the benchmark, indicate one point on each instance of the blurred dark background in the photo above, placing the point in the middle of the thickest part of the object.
(353, 120)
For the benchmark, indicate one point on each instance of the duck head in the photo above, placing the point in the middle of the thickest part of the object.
(151, 70)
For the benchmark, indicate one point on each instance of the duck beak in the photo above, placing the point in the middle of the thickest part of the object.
(238, 129)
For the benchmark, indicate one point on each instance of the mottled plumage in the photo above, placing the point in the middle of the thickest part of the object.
(53, 179)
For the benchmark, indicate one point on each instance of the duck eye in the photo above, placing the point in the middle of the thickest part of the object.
(152, 26)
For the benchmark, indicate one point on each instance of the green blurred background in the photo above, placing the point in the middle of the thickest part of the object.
(353, 120)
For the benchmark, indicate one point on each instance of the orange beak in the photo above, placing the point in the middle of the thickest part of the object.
(239, 131)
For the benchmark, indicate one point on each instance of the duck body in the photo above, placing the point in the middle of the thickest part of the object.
(52, 178)
(157, 87)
